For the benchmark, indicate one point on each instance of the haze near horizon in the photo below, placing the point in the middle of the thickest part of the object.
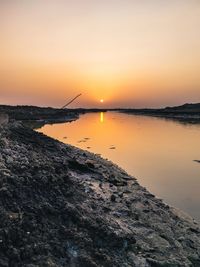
(127, 53)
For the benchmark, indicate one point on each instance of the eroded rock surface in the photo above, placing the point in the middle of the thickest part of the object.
(61, 206)
(3, 119)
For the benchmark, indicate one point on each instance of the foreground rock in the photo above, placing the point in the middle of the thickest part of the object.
(61, 206)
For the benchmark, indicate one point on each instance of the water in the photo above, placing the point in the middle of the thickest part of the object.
(159, 153)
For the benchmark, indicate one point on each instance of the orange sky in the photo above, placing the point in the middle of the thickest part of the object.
(129, 53)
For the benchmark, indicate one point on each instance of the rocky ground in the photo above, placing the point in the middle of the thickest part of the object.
(40, 114)
(62, 206)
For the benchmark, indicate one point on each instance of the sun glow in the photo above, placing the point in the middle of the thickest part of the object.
(101, 53)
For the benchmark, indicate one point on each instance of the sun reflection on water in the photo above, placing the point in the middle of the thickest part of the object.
(101, 117)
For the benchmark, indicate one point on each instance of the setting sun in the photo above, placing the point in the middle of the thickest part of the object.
(101, 100)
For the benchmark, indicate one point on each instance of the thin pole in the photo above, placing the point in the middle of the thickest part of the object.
(71, 101)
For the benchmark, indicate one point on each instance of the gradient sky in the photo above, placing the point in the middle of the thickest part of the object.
(129, 53)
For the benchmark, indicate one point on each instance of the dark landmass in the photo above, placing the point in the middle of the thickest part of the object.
(36, 117)
(40, 114)
(47, 114)
(187, 113)
(62, 206)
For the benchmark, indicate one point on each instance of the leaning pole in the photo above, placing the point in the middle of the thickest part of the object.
(71, 101)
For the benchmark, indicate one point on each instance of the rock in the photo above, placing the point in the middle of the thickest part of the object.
(90, 163)
(113, 198)
(120, 194)
(14, 254)
(4, 262)
(9, 160)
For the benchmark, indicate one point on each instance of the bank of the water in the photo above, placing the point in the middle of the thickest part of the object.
(40, 115)
(62, 206)
(186, 113)
(159, 152)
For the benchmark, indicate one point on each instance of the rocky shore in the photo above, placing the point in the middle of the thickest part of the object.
(40, 115)
(62, 206)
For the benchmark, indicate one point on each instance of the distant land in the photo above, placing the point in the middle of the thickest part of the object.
(189, 113)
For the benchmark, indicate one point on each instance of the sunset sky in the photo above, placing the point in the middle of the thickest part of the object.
(130, 53)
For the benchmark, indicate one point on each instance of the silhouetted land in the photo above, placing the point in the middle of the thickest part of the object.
(189, 113)
(46, 114)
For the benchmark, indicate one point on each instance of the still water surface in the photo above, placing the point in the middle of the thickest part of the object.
(159, 153)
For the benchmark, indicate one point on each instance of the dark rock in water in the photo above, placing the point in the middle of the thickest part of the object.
(61, 206)
(112, 147)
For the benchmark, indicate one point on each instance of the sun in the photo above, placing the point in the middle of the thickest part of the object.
(101, 100)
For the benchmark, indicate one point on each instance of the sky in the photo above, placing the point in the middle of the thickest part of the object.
(130, 53)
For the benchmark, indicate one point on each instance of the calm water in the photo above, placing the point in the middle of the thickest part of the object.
(159, 153)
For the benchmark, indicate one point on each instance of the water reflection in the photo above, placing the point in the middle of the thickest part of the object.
(160, 153)
(101, 116)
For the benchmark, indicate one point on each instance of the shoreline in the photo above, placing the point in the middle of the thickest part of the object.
(187, 113)
(70, 207)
